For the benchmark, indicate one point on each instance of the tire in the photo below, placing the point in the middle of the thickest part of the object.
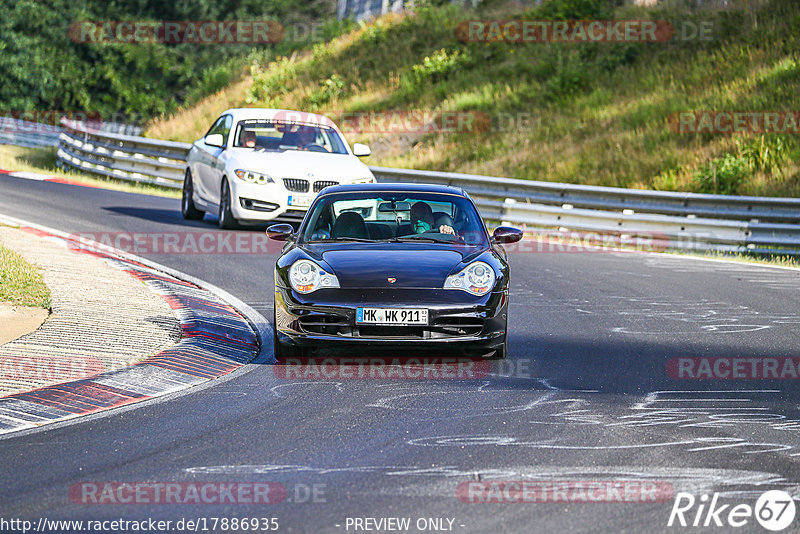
(188, 209)
(282, 352)
(226, 219)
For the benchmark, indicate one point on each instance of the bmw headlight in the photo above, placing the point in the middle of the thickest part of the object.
(369, 180)
(254, 177)
(306, 276)
(477, 278)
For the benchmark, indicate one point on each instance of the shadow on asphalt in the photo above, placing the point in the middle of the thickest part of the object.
(634, 366)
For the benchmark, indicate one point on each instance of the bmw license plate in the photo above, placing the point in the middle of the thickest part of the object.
(300, 200)
(399, 316)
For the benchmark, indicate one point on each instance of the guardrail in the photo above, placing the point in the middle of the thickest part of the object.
(684, 220)
(125, 157)
(20, 132)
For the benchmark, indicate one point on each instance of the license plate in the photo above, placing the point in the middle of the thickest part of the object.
(300, 200)
(401, 316)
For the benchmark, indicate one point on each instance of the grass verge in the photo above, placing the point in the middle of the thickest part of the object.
(43, 161)
(21, 282)
(776, 260)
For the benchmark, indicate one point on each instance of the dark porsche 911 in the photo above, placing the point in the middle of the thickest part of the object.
(392, 265)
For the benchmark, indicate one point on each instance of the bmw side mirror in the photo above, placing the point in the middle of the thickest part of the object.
(215, 140)
(361, 150)
(280, 232)
(506, 234)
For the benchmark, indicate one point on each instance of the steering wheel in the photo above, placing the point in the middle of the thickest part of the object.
(314, 147)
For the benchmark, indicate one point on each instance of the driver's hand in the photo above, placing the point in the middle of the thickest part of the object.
(445, 229)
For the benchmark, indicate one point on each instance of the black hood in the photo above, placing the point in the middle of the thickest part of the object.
(412, 265)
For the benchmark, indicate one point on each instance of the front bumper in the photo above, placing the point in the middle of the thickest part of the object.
(326, 318)
(260, 203)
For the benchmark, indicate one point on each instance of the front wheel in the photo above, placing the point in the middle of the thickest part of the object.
(226, 219)
(188, 208)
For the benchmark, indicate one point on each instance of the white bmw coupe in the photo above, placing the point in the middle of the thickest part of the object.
(257, 165)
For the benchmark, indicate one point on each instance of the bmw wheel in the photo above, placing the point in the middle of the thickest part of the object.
(226, 219)
(188, 209)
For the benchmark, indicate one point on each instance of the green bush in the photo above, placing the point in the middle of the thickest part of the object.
(723, 175)
(574, 10)
(331, 88)
(270, 83)
(569, 75)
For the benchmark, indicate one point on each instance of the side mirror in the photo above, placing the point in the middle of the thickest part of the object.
(361, 150)
(506, 234)
(215, 140)
(280, 232)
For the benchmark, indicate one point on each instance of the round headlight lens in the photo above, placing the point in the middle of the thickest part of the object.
(478, 275)
(477, 278)
(306, 276)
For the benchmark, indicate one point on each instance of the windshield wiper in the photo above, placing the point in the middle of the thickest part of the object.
(419, 237)
(329, 239)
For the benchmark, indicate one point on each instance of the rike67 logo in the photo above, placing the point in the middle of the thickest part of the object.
(774, 510)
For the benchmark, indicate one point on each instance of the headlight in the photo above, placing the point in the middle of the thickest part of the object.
(369, 180)
(254, 177)
(476, 278)
(306, 276)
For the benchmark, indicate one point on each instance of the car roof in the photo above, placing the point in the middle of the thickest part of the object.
(393, 188)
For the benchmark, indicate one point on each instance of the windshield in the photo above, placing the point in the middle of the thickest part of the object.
(276, 135)
(395, 217)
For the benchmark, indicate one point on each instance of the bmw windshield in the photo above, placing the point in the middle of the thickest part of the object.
(276, 135)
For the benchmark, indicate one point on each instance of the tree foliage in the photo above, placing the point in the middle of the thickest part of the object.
(43, 69)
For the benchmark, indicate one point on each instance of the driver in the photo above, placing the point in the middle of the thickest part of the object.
(248, 138)
(422, 220)
(302, 138)
(306, 135)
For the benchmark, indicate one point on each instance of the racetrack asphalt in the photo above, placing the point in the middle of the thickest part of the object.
(585, 396)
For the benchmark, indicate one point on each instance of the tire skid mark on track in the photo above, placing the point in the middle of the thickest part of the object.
(695, 411)
(216, 341)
